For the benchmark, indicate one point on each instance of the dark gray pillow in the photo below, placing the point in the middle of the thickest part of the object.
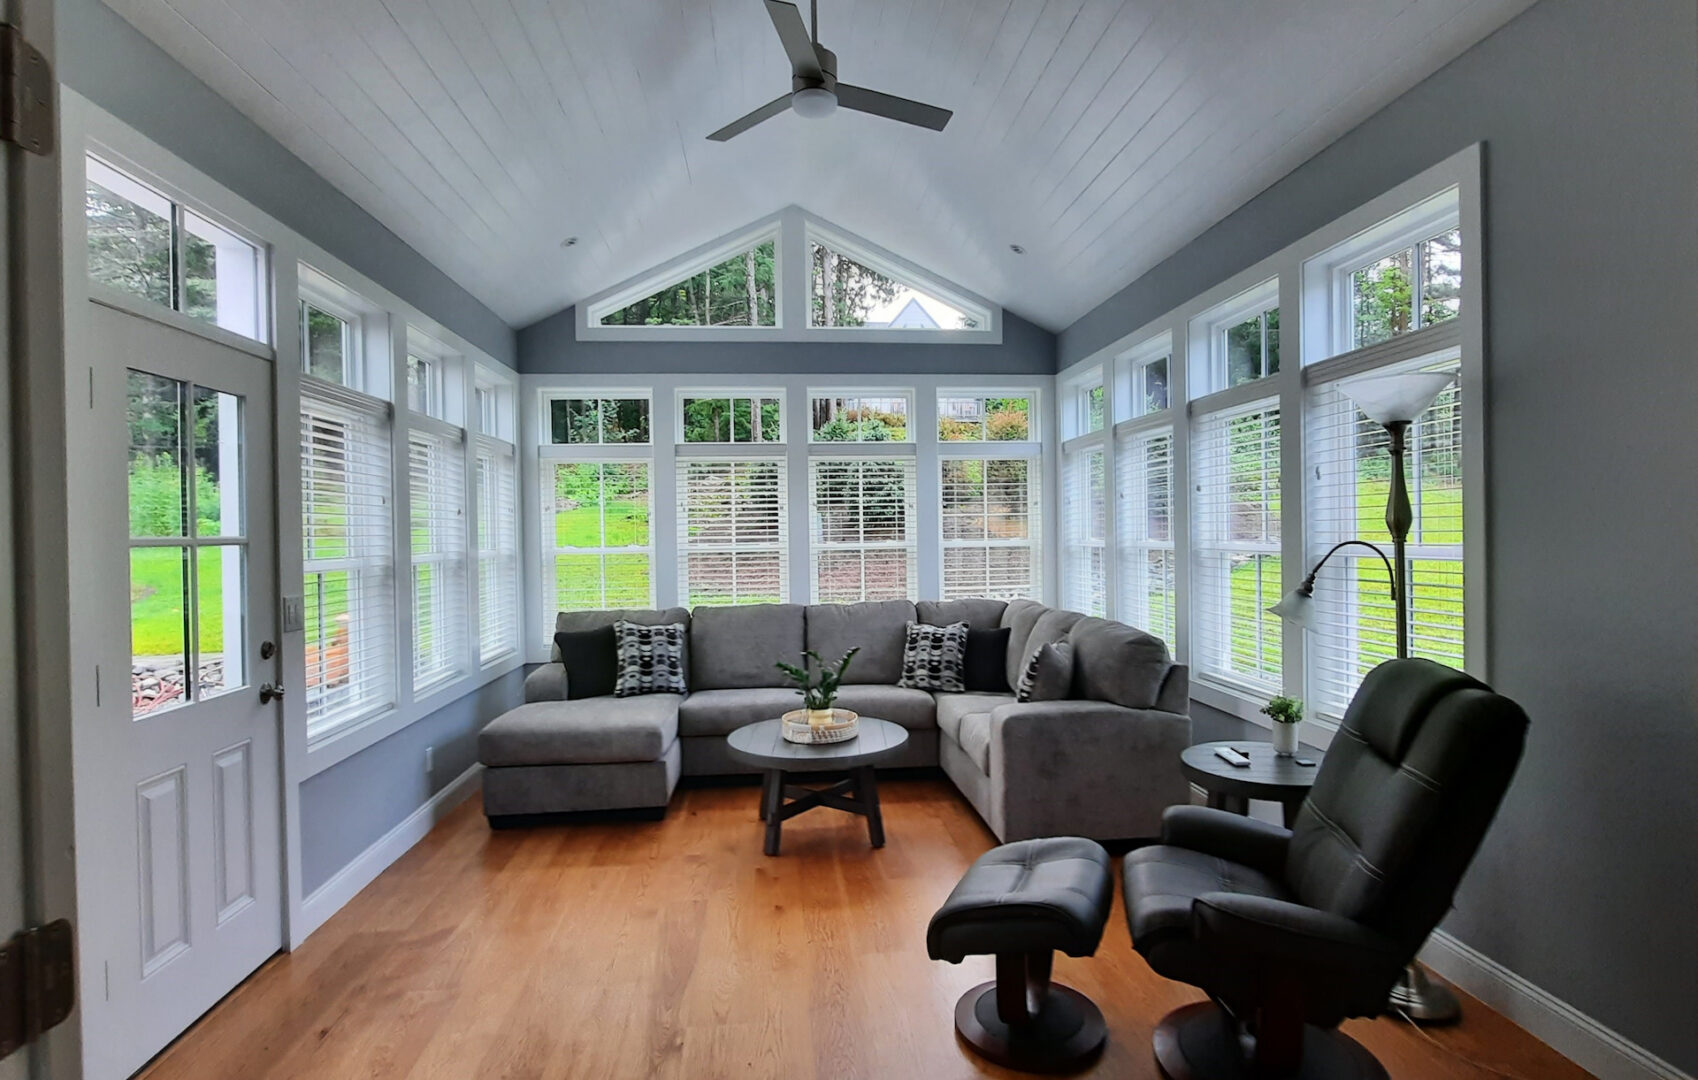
(986, 670)
(933, 656)
(1048, 675)
(651, 659)
(592, 661)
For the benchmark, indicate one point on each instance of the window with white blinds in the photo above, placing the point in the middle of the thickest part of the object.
(597, 543)
(348, 550)
(989, 519)
(1144, 504)
(1349, 474)
(862, 543)
(733, 535)
(497, 477)
(436, 468)
(1235, 566)
(1084, 516)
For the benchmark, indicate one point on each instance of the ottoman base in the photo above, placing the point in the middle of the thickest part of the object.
(1026, 1022)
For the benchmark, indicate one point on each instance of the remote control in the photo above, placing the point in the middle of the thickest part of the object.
(1232, 757)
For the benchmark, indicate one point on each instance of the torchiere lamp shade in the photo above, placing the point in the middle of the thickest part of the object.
(1394, 399)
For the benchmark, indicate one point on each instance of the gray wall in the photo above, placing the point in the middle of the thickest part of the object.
(550, 346)
(351, 805)
(1589, 114)
(115, 66)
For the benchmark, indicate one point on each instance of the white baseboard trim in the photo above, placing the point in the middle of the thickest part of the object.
(346, 883)
(1562, 1027)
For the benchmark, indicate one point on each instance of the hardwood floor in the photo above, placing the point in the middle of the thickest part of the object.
(676, 949)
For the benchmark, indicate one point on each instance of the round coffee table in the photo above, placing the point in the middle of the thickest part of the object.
(762, 746)
(1268, 776)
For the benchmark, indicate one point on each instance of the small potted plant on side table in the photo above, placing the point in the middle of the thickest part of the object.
(1286, 713)
(817, 721)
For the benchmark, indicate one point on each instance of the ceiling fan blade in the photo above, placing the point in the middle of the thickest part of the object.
(890, 106)
(793, 32)
(742, 124)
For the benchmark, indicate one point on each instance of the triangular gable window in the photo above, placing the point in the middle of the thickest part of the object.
(737, 291)
(855, 291)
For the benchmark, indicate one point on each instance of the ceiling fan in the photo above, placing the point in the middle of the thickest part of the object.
(814, 89)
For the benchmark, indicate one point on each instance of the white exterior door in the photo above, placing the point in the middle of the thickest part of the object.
(179, 854)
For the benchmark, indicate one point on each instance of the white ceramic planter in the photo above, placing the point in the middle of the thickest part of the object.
(1284, 739)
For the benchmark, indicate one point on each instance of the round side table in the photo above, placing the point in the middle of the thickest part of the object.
(1268, 776)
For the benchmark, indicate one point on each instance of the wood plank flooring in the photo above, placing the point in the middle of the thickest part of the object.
(676, 949)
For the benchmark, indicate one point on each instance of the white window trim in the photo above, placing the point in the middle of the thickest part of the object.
(507, 550)
(905, 393)
(1208, 372)
(732, 393)
(1035, 426)
(877, 259)
(1126, 369)
(590, 312)
(545, 415)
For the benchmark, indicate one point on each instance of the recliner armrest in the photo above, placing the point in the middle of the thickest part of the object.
(1232, 837)
(546, 683)
(1280, 935)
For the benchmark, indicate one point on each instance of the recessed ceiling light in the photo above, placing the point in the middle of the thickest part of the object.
(1016, 249)
(570, 241)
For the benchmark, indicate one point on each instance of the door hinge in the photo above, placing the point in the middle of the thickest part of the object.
(37, 983)
(26, 93)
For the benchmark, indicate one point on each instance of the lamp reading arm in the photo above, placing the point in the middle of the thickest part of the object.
(1308, 586)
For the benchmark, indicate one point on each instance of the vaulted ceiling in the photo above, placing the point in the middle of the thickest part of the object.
(1099, 135)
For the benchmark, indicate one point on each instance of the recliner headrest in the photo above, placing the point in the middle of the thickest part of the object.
(1394, 698)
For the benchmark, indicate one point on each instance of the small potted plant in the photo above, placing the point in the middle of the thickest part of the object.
(1286, 713)
(817, 682)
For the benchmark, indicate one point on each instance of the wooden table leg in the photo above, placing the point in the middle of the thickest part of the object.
(867, 792)
(770, 801)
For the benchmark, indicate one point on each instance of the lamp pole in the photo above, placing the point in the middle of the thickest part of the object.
(1400, 517)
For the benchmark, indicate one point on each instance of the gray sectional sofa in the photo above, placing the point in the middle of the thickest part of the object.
(1103, 764)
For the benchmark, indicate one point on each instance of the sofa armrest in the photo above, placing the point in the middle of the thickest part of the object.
(546, 683)
(1175, 693)
(1233, 837)
(1084, 768)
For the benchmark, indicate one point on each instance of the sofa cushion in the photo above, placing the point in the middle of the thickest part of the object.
(951, 708)
(1114, 662)
(986, 668)
(935, 657)
(591, 620)
(586, 731)
(590, 659)
(651, 659)
(875, 628)
(1048, 675)
(734, 648)
(912, 709)
(975, 739)
(720, 712)
(1020, 616)
(975, 613)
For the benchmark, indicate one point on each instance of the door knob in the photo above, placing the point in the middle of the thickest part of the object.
(269, 693)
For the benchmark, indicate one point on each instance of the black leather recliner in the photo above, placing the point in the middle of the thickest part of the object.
(1292, 931)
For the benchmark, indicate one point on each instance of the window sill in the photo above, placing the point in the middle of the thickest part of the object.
(1240, 703)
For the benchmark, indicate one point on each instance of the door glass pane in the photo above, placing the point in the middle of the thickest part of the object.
(218, 463)
(159, 632)
(158, 502)
(221, 588)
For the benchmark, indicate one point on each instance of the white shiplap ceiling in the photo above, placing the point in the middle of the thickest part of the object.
(1100, 135)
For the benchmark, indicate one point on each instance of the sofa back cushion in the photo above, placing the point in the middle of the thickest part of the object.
(734, 648)
(878, 629)
(978, 614)
(1116, 663)
(595, 620)
(1020, 616)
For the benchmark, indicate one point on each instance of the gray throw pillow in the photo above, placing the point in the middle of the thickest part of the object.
(651, 659)
(1048, 675)
(933, 657)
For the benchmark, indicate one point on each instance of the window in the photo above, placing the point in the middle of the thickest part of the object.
(985, 419)
(436, 459)
(881, 418)
(1251, 348)
(597, 544)
(733, 534)
(1144, 459)
(847, 291)
(592, 421)
(330, 345)
(487, 409)
(1409, 289)
(863, 543)
(990, 528)
(1149, 387)
(1095, 404)
(737, 291)
(142, 243)
(348, 556)
(425, 385)
(1084, 514)
(1235, 569)
(188, 547)
(731, 419)
(497, 478)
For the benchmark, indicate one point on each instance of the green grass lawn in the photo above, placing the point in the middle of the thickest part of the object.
(157, 590)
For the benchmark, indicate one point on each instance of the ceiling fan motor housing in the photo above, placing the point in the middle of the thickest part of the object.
(828, 73)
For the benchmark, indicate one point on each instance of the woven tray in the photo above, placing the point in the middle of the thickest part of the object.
(795, 727)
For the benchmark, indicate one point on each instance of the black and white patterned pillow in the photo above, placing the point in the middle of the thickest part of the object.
(1048, 675)
(933, 657)
(651, 659)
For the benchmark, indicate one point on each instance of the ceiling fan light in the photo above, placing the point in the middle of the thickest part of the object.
(813, 102)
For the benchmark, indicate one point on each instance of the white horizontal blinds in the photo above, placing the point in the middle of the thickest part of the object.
(597, 543)
(1145, 507)
(1235, 566)
(348, 551)
(436, 466)
(1084, 517)
(733, 537)
(863, 544)
(1349, 475)
(990, 528)
(497, 476)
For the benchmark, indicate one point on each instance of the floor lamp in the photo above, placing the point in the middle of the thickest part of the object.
(1393, 402)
